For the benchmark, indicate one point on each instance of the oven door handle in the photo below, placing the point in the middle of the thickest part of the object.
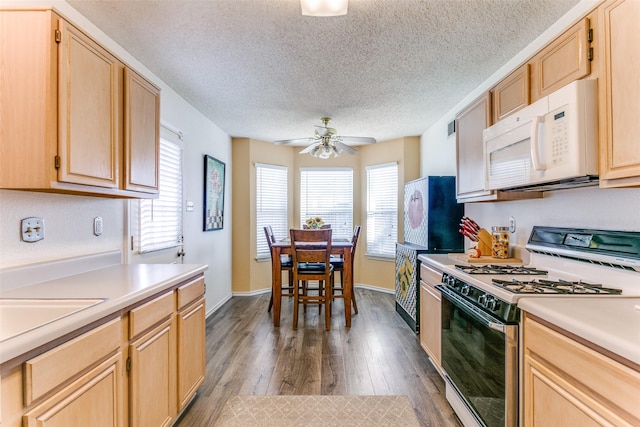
(475, 312)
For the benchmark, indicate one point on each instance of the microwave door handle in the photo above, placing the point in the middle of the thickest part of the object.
(535, 159)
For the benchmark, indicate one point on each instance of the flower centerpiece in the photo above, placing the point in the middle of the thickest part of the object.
(314, 222)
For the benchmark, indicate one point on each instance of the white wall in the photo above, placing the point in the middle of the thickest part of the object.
(588, 207)
(69, 219)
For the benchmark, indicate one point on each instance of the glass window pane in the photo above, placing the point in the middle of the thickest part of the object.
(328, 193)
(382, 210)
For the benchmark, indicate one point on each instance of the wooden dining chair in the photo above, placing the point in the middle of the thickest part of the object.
(311, 253)
(337, 262)
(286, 264)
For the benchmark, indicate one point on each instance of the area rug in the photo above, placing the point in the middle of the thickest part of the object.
(325, 411)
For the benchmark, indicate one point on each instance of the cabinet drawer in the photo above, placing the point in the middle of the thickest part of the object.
(51, 369)
(429, 275)
(190, 292)
(596, 374)
(153, 312)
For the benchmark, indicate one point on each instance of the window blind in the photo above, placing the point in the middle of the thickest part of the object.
(382, 210)
(271, 205)
(160, 220)
(328, 193)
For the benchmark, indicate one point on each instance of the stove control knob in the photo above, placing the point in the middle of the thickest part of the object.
(492, 304)
(482, 299)
(464, 290)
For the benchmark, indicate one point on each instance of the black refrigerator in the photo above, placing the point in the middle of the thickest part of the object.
(431, 221)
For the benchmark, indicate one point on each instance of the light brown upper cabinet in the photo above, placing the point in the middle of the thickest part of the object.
(67, 123)
(470, 123)
(562, 61)
(618, 92)
(142, 133)
(511, 94)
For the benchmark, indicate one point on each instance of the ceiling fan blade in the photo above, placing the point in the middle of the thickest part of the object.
(309, 148)
(357, 139)
(294, 141)
(344, 147)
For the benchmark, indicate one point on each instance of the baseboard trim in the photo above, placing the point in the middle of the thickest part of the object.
(217, 306)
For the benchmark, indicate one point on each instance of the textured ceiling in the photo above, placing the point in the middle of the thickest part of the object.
(259, 69)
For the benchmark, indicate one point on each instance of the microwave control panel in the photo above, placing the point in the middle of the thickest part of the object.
(558, 133)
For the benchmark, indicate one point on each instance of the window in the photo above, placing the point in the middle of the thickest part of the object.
(382, 210)
(271, 205)
(160, 220)
(328, 193)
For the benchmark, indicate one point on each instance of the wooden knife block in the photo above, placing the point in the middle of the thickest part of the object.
(484, 244)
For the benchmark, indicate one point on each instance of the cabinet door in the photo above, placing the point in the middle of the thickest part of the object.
(470, 156)
(152, 378)
(511, 94)
(552, 400)
(567, 383)
(142, 133)
(89, 99)
(191, 351)
(620, 104)
(94, 399)
(564, 60)
(430, 323)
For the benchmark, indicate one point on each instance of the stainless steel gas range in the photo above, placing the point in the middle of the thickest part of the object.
(480, 314)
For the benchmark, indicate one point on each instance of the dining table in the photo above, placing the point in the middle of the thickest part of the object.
(340, 247)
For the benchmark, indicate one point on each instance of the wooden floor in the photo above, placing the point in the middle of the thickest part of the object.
(378, 355)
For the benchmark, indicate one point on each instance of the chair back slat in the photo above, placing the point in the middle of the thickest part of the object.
(311, 246)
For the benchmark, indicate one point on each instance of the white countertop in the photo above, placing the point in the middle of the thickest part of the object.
(611, 323)
(121, 285)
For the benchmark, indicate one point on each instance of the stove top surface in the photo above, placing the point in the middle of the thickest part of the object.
(544, 286)
(501, 269)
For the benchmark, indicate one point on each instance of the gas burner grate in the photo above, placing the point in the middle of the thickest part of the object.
(500, 269)
(542, 286)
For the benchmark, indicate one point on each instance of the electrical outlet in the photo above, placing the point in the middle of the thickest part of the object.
(32, 229)
(97, 225)
(512, 224)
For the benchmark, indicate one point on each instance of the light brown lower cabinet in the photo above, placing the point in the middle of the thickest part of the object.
(430, 315)
(140, 369)
(94, 399)
(191, 351)
(152, 377)
(568, 383)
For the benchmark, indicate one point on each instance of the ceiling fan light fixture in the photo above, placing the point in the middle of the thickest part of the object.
(324, 7)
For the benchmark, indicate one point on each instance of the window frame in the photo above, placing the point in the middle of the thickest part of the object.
(384, 250)
(342, 225)
(281, 229)
(171, 138)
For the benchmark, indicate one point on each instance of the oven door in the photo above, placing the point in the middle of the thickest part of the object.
(480, 360)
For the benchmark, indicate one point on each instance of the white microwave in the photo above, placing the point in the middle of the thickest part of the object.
(547, 145)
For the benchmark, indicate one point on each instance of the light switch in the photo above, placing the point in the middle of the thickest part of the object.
(97, 225)
(189, 206)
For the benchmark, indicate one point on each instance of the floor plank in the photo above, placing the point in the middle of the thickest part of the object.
(378, 355)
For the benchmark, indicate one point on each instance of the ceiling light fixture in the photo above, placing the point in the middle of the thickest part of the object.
(324, 7)
(325, 149)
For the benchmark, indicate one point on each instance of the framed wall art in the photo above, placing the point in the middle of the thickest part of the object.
(213, 193)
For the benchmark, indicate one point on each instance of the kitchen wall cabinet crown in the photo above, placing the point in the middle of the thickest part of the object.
(74, 118)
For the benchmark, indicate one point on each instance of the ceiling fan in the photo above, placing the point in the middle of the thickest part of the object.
(325, 142)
